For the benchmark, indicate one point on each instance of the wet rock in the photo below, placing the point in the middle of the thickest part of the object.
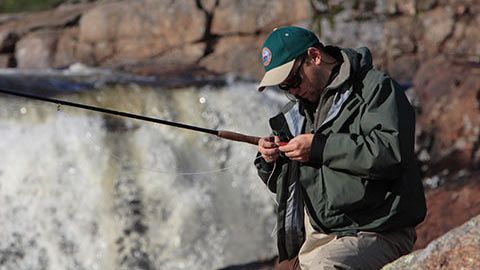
(458, 249)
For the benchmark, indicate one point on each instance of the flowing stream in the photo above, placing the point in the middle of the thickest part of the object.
(83, 190)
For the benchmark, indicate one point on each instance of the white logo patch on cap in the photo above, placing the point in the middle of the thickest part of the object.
(266, 56)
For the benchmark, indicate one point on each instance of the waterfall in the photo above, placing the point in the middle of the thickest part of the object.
(84, 190)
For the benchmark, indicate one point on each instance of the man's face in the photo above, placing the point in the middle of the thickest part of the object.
(301, 80)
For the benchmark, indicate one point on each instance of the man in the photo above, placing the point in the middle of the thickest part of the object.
(341, 158)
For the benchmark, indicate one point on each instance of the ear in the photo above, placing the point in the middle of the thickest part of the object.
(315, 55)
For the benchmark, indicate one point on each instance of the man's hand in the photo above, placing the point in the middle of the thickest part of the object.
(298, 148)
(268, 149)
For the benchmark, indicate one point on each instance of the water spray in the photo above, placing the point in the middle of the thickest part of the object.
(224, 134)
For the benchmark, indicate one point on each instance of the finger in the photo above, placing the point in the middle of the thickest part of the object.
(291, 146)
(270, 151)
(266, 143)
(294, 154)
(270, 158)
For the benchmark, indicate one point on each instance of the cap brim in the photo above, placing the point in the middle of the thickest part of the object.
(276, 76)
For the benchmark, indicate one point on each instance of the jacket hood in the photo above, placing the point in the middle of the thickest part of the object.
(354, 62)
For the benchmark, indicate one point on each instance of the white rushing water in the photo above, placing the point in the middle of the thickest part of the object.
(81, 190)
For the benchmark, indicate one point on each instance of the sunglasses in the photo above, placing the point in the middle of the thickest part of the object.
(295, 79)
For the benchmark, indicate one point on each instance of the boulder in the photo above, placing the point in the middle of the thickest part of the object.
(37, 50)
(140, 29)
(250, 16)
(63, 16)
(243, 59)
(180, 61)
(458, 249)
(65, 53)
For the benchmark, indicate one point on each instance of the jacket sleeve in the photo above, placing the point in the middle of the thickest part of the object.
(375, 152)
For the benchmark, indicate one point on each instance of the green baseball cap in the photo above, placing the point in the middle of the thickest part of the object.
(279, 51)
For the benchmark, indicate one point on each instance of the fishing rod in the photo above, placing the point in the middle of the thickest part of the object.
(224, 134)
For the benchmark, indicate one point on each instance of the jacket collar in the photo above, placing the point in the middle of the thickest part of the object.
(343, 73)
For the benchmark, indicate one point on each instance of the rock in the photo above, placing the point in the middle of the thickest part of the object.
(140, 29)
(400, 37)
(424, 5)
(209, 5)
(48, 24)
(449, 120)
(400, 34)
(178, 61)
(62, 16)
(406, 7)
(458, 200)
(438, 24)
(7, 41)
(5, 60)
(400, 58)
(250, 16)
(465, 40)
(403, 68)
(37, 50)
(65, 53)
(409, 7)
(343, 31)
(458, 249)
(101, 22)
(228, 55)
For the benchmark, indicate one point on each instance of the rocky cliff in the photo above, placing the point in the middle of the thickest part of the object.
(430, 46)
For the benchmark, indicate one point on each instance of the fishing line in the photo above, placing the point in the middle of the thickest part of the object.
(220, 133)
(155, 170)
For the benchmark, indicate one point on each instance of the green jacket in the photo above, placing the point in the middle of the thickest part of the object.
(362, 174)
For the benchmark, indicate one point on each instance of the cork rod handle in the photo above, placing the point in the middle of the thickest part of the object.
(233, 136)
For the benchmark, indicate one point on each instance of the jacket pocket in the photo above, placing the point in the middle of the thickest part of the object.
(349, 193)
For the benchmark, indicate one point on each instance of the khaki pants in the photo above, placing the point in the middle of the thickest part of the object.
(365, 251)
